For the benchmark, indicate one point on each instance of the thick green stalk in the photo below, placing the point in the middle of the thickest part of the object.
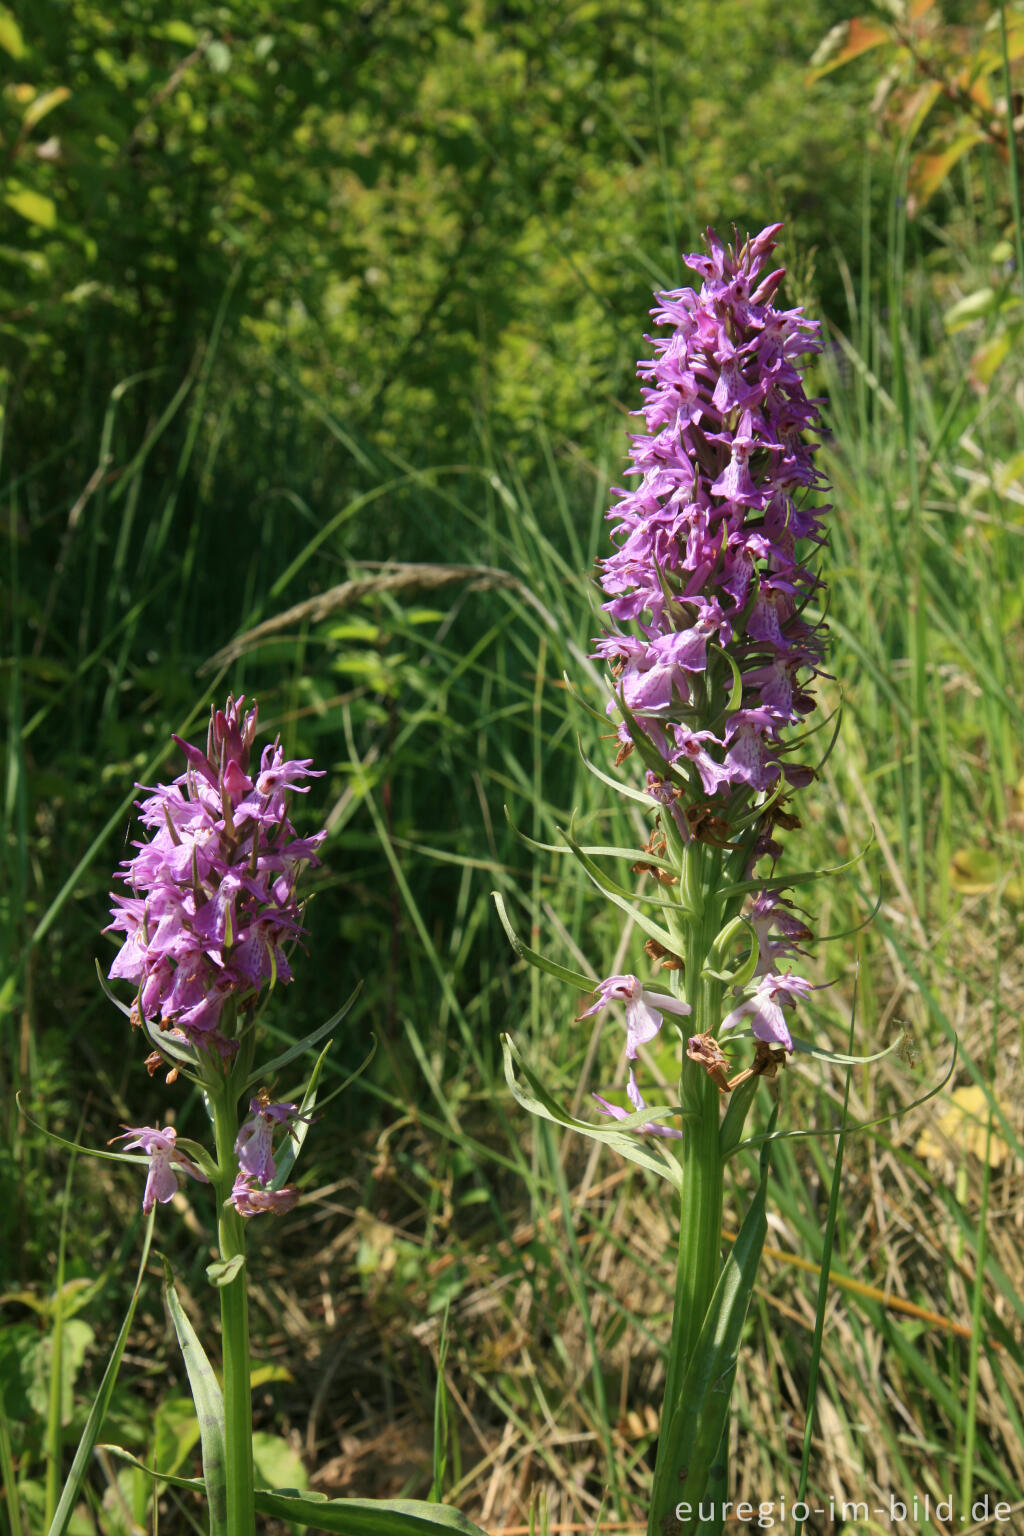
(700, 1218)
(234, 1319)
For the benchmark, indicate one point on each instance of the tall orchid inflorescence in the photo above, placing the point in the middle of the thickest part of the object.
(715, 635)
(708, 572)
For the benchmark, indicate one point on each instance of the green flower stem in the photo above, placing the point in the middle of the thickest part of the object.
(700, 1221)
(234, 1319)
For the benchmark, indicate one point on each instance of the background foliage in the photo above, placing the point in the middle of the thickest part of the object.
(287, 292)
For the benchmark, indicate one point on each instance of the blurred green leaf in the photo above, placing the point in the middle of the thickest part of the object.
(32, 206)
(11, 40)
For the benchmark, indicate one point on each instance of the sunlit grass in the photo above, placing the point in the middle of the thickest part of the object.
(434, 1209)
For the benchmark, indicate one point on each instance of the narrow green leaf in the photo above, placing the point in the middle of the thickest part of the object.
(622, 789)
(561, 972)
(337, 1517)
(367, 1517)
(70, 1146)
(612, 887)
(97, 1413)
(840, 1058)
(300, 1047)
(209, 1401)
(801, 877)
(300, 1130)
(638, 855)
(696, 1422)
(858, 1125)
(188, 1484)
(609, 889)
(535, 1098)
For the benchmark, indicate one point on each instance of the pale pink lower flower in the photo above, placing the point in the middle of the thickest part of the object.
(636, 1098)
(254, 1142)
(764, 1008)
(249, 1199)
(644, 1008)
(165, 1162)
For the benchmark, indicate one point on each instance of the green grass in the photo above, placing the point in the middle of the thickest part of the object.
(439, 1221)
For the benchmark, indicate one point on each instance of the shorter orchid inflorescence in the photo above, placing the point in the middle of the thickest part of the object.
(210, 918)
(212, 911)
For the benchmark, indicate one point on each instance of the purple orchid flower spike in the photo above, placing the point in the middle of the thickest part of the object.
(723, 459)
(212, 911)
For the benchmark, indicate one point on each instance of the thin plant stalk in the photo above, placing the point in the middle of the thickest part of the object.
(234, 1319)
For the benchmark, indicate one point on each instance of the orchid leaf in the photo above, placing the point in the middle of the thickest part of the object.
(801, 877)
(696, 1422)
(738, 927)
(535, 1098)
(818, 1053)
(337, 1517)
(622, 900)
(209, 1401)
(840, 1058)
(111, 997)
(110, 1157)
(346, 1082)
(292, 1145)
(577, 698)
(177, 1052)
(623, 789)
(101, 1402)
(737, 1109)
(365, 1517)
(583, 855)
(172, 1479)
(300, 1047)
(638, 855)
(561, 972)
(858, 1125)
(223, 1271)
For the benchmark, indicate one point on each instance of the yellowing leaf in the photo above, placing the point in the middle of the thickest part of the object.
(990, 357)
(973, 306)
(1008, 474)
(973, 871)
(964, 1129)
(179, 32)
(32, 206)
(917, 106)
(976, 871)
(930, 171)
(45, 102)
(11, 40)
(846, 41)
